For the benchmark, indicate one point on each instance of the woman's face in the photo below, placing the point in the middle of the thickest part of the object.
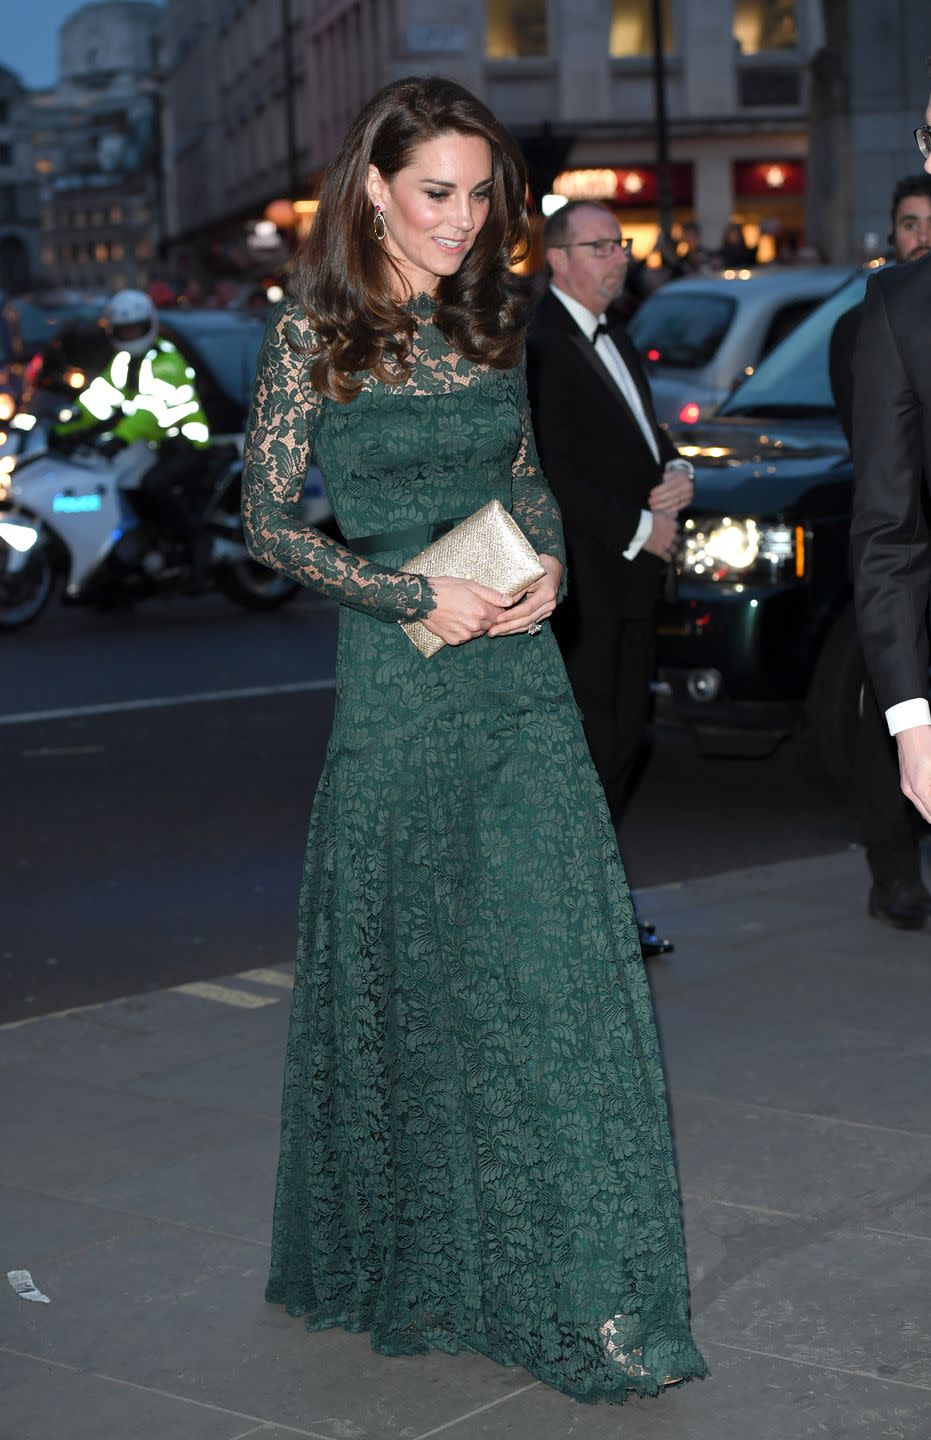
(435, 207)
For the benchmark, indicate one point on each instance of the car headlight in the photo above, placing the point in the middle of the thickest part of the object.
(7, 406)
(721, 549)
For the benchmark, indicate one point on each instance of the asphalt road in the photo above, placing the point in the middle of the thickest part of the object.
(158, 773)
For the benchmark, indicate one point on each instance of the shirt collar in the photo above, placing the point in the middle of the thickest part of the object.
(583, 317)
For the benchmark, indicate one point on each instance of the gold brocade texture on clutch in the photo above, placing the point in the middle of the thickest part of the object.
(490, 548)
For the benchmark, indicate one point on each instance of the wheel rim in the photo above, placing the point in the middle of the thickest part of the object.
(23, 593)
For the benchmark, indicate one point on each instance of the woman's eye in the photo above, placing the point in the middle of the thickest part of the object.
(437, 194)
(483, 195)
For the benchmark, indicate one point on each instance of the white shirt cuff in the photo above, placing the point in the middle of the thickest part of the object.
(641, 535)
(907, 714)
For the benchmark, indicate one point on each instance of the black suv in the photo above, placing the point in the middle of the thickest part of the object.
(761, 635)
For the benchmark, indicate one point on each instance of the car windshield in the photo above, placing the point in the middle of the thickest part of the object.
(683, 331)
(230, 354)
(793, 381)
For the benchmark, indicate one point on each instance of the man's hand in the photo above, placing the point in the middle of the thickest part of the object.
(664, 536)
(674, 491)
(914, 747)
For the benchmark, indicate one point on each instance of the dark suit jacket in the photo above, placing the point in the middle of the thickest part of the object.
(594, 453)
(840, 365)
(892, 459)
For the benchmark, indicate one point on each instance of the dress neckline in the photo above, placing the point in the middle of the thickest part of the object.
(420, 304)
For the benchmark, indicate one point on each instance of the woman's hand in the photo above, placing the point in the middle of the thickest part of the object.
(463, 609)
(537, 604)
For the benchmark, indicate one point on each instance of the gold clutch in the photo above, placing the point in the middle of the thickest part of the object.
(490, 548)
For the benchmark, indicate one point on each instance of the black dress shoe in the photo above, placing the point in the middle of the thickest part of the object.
(652, 944)
(900, 903)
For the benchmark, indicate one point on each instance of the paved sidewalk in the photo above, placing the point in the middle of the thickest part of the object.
(140, 1141)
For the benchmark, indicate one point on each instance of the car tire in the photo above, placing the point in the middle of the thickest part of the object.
(832, 710)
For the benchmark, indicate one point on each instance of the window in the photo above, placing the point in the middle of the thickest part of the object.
(632, 27)
(116, 214)
(784, 322)
(117, 252)
(761, 25)
(7, 202)
(6, 154)
(4, 112)
(101, 252)
(794, 378)
(683, 331)
(515, 29)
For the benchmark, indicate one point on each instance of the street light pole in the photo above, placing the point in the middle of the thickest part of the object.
(288, 77)
(662, 124)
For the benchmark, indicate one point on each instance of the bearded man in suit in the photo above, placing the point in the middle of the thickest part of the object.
(889, 825)
(890, 538)
(619, 484)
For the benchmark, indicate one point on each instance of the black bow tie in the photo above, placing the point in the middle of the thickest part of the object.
(600, 329)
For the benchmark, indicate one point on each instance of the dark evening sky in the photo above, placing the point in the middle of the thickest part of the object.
(30, 46)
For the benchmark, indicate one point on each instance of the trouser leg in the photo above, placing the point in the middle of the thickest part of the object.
(632, 702)
(589, 637)
(887, 820)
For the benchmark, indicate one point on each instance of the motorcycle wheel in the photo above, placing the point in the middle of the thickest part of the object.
(255, 587)
(25, 593)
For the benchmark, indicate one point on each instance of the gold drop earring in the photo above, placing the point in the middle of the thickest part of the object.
(379, 224)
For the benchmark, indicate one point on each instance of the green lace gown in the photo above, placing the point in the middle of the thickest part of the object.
(475, 1149)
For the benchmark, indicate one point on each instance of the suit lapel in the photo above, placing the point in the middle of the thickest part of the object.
(556, 316)
(628, 353)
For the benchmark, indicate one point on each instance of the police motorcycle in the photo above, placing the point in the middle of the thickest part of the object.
(78, 514)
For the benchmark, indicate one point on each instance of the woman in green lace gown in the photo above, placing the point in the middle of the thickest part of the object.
(475, 1148)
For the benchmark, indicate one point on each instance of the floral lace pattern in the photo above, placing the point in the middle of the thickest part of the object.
(475, 1147)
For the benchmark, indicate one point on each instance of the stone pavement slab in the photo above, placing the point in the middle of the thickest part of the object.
(140, 1139)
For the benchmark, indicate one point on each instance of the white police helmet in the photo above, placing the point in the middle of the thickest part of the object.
(132, 321)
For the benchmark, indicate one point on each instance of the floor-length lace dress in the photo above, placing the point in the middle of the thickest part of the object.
(475, 1149)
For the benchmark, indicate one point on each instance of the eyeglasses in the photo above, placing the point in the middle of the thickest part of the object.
(923, 137)
(601, 249)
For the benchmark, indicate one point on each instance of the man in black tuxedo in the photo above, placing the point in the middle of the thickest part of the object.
(606, 459)
(889, 533)
(888, 823)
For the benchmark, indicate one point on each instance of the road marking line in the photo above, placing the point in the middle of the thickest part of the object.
(167, 702)
(225, 995)
(42, 752)
(268, 977)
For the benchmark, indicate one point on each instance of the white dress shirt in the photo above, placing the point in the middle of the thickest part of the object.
(613, 361)
(907, 714)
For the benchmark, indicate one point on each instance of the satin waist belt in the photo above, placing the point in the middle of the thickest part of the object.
(411, 541)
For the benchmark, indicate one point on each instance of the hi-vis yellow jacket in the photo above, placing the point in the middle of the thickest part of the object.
(153, 396)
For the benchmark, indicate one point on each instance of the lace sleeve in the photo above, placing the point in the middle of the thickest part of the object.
(283, 421)
(533, 503)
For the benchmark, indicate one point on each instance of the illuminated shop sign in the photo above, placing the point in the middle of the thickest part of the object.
(634, 185)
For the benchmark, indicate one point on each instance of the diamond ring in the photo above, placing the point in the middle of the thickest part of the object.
(534, 629)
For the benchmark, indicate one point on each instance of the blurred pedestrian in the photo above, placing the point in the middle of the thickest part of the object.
(609, 465)
(887, 821)
(691, 257)
(475, 1152)
(890, 534)
(735, 253)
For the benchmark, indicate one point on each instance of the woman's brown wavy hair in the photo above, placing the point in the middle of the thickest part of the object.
(345, 279)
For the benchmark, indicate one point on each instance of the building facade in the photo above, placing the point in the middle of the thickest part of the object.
(762, 121)
(19, 191)
(95, 149)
